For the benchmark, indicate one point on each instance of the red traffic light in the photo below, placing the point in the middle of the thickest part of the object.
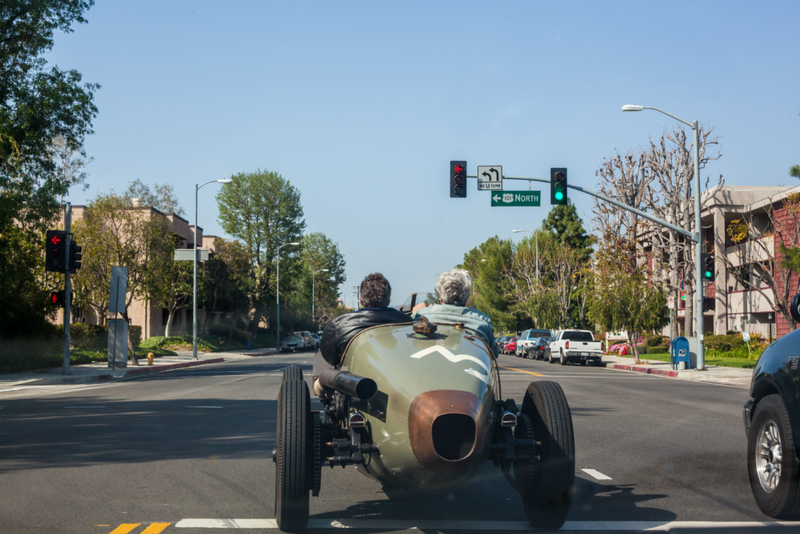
(56, 239)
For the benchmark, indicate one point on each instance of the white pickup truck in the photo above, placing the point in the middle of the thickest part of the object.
(576, 346)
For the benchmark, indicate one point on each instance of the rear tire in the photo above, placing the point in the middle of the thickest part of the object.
(549, 495)
(293, 456)
(562, 359)
(550, 357)
(770, 449)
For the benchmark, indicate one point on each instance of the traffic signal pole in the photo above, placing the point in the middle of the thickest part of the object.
(67, 288)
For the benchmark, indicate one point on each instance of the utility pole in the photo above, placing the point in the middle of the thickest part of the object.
(67, 288)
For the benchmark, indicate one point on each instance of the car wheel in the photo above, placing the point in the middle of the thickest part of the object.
(771, 462)
(550, 357)
(561, 358)
(293, 372)
(292, 456)
(547, 495)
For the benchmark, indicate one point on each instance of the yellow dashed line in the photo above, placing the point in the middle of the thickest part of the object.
(520, 371)
(124, 528)
(155, 528)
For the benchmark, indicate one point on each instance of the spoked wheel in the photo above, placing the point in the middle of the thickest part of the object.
(547, 495)
(293, 456)
(771, 462)
(293, 372)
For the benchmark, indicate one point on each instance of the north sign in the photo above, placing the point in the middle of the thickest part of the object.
(490, 177)
(517, 198)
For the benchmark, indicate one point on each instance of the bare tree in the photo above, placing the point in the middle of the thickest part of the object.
(658, 180)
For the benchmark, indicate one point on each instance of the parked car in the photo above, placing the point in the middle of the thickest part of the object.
(538, 349)
(772, 425)
(293, 343)
(575, 345)
(317, 339)
(510, 346)
(310, 342)
(501, 343)
(528, 338)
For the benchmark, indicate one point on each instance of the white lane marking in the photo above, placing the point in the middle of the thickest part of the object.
(596, 474)
(206, 407)
(23, 387)
(390, 524)
(81, 407)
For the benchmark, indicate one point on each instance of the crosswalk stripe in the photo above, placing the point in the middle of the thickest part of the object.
(124, 528)
(155, 528)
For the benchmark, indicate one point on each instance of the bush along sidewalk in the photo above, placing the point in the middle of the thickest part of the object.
(209, 343)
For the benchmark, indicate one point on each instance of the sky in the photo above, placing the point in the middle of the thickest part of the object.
(362, 105)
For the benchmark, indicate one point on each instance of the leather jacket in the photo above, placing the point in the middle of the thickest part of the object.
(342, 329)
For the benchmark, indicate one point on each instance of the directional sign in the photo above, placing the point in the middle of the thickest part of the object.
(490, 178)
(517, 198)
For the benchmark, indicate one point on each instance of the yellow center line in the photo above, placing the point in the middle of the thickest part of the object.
(155, 528)
(124, 528)
(520, 371)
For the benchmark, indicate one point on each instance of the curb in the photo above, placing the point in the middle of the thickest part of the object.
(157, 368)
(646, 370)
(254, 354)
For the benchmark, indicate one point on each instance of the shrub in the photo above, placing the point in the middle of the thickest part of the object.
(658, 350)
(642, 349)
(656, 341)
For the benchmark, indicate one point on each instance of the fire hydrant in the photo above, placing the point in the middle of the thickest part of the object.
(149, 358)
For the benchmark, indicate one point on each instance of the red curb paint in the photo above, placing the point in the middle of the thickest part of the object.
(646, 370)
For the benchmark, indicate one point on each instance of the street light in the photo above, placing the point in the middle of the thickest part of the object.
(536, 235)
(278, 291)
(701, 358)
(194, 261)
(313, 295)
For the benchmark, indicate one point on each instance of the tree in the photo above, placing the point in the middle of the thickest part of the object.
(166, 282)
(659, 180)
(320, 252)
(622, 296)
(114, 233)
(162, 197)
(44, 118)
(567, 227)
(263, 211)
(487, 280)
(225, 282)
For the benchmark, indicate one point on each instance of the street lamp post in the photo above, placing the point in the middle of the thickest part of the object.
(278, 292)
(313, 295)
(701, 359)
(194, 261)
(535, 235)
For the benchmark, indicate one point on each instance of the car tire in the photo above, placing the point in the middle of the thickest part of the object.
(293, 372)
(550, 357)
(548, 494)
(776, 494)
(561, 358)
(293, 456)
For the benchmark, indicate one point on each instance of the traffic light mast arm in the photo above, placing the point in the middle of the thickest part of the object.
(693, 237)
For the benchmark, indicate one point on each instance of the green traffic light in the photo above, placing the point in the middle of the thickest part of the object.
(708, 274)
(559, 195)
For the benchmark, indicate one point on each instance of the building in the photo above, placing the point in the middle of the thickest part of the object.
(150, 316)
(738, 304)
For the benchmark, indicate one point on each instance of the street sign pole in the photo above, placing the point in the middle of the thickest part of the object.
(67, 288)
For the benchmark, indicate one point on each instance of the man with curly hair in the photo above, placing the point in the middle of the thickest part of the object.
(454, 288)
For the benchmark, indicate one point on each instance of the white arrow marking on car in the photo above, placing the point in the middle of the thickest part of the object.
(455, 358)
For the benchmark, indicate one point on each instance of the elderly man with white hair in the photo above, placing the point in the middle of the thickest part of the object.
(454, 288)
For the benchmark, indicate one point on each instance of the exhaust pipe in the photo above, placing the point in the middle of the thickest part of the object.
(348, 383)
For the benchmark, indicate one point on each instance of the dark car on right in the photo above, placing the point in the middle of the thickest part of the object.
(537, 350)
(772, 425)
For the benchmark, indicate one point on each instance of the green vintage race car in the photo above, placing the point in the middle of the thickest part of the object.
(419, 405)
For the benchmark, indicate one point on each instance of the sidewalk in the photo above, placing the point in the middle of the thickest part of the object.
(730, 376)
(101, 372)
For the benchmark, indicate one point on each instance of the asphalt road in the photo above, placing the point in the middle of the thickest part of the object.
(186, 450)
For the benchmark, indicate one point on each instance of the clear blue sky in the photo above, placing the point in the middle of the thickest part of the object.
(361, 105)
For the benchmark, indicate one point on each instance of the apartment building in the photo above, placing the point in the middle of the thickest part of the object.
(738, 305)
(150, 316)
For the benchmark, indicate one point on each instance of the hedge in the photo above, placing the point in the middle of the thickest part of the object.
(223, 330)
